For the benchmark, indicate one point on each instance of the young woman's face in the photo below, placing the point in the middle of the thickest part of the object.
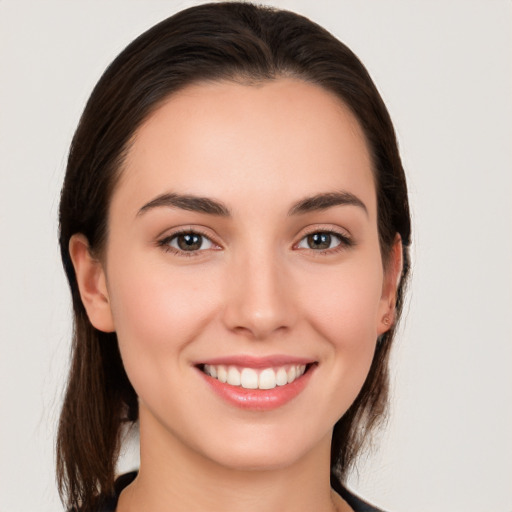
(243, 245)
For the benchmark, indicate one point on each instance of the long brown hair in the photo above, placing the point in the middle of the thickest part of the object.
(218, 41)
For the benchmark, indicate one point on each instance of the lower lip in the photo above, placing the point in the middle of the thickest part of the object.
(259, 399)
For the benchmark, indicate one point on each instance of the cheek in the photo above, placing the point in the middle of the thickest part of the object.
(343, 305)
(157, 312)
(345, 316)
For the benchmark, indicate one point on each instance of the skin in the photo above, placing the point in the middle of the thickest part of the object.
(254, 288)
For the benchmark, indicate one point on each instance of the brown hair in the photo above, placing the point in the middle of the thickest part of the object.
(218, 41)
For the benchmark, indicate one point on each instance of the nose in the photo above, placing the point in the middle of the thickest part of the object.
(260, 297)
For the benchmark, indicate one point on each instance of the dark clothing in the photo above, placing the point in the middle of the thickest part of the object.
(357, 504)
(110, 504)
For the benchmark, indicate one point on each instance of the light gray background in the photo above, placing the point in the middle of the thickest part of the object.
(445, 71)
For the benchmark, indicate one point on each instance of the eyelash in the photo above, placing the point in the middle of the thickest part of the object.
(165, 242)
(345, 242)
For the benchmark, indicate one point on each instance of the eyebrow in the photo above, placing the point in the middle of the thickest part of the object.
(209, 206)
(320, 202)
(188, 202)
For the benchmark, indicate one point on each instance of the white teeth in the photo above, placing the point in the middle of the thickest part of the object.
(267, 379)
(250, 378)
(233, 376)
(222, 374)
(281, 377)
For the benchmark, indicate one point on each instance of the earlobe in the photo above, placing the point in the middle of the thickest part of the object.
(392, 276)
(92, 284)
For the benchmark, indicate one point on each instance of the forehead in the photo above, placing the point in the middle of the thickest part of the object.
(278, 139)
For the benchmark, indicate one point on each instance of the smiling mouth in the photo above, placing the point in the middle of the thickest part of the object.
(252, 378)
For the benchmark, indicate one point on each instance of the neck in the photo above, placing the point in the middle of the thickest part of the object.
(173, 477)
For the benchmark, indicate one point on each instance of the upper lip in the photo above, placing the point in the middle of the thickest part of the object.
(247, 361)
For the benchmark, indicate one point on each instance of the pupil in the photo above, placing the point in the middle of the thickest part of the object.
(319, 241)
(189, 242)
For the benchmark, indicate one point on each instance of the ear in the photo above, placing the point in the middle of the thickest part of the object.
(392, 276)
(92, 283)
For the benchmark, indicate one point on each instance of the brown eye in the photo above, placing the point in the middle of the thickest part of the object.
(319, 241)
(189, 242)
(323, 240)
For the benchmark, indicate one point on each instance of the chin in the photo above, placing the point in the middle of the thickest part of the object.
(256, 460)
(266, 451)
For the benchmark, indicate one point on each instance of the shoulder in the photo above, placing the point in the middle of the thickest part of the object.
(356, 503)
(109, 503)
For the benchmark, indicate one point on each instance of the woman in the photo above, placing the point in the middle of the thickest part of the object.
(235, 231)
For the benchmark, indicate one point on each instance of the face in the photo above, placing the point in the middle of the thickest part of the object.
(242, 271)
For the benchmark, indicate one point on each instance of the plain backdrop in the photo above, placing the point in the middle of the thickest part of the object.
(444, 69)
